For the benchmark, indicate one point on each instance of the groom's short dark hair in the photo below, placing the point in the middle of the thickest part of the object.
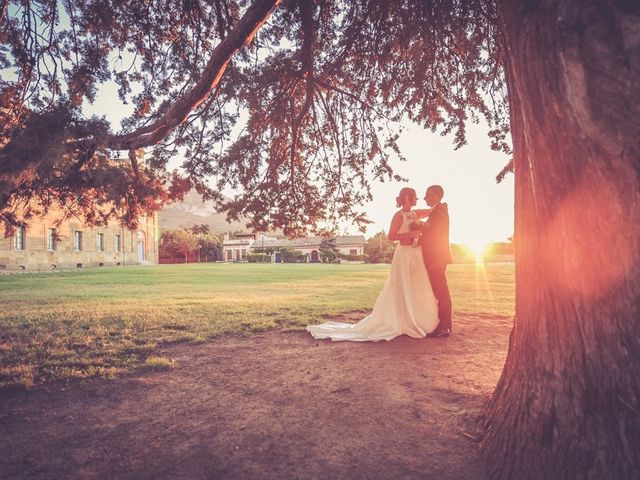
(437, 189)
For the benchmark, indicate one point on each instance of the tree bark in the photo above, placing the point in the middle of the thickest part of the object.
(568, 403)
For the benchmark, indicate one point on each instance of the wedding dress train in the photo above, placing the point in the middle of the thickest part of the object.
(406, 305)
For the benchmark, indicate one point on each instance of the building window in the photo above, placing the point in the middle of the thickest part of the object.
(18, 238)
(100, 242)
(51, 239)
(244, 254)
(353, 252)
(229, 255)
(141, 246)
(77, 241)
(116, 243)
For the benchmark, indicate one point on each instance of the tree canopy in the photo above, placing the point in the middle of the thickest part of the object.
(379, 249)
(294, 104)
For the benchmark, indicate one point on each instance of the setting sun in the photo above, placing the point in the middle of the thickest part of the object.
(478, 249)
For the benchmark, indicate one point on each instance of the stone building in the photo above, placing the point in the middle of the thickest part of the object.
(44, 246)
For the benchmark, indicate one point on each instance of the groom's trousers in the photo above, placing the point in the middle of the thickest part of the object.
(440, 288)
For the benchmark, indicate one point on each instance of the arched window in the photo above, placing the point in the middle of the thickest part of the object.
(141, 246)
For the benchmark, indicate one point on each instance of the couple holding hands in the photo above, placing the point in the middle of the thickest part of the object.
(415, 299)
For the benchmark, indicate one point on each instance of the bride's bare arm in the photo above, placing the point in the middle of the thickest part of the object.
(396, 223)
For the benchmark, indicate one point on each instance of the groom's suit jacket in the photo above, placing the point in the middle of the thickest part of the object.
(435, 237)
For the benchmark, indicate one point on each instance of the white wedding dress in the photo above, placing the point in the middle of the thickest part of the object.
(406, 305)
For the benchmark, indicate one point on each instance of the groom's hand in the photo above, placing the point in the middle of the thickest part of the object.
(418, 226)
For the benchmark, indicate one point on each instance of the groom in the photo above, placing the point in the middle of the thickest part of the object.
(437, 255)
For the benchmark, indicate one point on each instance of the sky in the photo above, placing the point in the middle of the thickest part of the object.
(480, 210)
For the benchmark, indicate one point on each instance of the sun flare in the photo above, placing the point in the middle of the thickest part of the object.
(478, 249)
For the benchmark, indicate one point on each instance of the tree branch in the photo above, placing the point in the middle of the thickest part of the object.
(4, 6)
(306, 12)
(255, 16)
(508, 168)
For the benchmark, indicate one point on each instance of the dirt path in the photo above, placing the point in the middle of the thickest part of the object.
(278, 405)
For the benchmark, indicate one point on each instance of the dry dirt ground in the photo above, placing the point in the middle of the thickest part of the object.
(276, 405)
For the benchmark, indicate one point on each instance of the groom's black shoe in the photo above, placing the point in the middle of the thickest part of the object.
(439, 333)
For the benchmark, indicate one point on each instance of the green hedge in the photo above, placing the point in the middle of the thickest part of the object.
(293, 257)
(352, 258)
(259, 258)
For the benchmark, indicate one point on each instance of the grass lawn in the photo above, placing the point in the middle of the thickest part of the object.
(102, 321)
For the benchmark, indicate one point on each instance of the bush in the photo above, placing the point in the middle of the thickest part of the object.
(259, 258)
(292, 257)
(328, 255)
(352, 258)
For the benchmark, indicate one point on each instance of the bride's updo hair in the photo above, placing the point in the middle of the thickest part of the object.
(404, 193)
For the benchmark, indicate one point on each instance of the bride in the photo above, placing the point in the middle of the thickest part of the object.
(406, 305)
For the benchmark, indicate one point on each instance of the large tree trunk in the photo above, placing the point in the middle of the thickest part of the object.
(568, 403)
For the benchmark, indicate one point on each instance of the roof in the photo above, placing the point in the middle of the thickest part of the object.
(351, 240)
(241, 241)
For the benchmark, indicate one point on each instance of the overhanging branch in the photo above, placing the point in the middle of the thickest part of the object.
(241, 35)
(306, 13)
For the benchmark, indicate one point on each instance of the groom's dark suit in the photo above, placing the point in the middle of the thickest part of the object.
(437, 255)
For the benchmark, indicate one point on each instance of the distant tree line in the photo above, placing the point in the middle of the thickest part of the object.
(195, 244)
(379, 249)
(199, 244)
